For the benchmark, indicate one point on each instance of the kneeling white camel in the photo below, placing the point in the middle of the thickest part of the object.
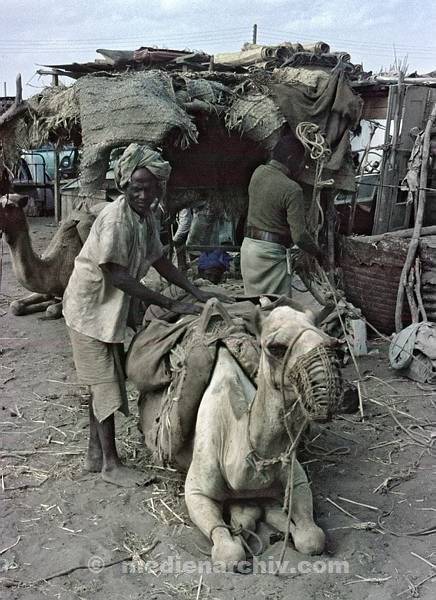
(245, 436)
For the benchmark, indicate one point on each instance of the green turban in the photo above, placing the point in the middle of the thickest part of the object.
(135, 157)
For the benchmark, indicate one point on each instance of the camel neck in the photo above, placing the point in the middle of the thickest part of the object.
(268, 435)
(27, 265)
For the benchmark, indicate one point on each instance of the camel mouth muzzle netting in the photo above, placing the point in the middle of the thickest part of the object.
(316, 377)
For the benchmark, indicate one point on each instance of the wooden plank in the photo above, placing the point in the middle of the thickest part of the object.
(414, 113)
(375, 106)
(384, 194)
(415, 103)
(392, 213)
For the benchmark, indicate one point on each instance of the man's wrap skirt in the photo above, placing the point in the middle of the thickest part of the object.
(100, 369)
(264, 268)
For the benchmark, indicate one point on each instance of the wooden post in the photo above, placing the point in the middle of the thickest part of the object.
(383, 202)
(331, 222)
(411, 253)
(19, 90)
(182, 262)
(255, 33)
(18, 106)
(57, 187)
(353, 205)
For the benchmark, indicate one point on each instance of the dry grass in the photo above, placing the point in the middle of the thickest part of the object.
(166, 503)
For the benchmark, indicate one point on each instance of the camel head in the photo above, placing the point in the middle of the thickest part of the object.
(298, 358)
(12, 217)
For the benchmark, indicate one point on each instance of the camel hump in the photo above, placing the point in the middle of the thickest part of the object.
(84, 227)
(85, 217)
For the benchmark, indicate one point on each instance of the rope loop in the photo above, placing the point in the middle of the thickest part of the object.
(313, 140)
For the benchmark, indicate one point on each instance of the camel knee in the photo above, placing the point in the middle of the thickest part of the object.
(228, 551)
(245, 516)
(54, 311)
(309, 539)
(31, 304)
(17, 308)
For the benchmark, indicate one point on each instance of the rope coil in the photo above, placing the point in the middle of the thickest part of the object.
(313, 140)
(319, 150)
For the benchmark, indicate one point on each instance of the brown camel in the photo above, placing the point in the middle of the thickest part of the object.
(46, 275)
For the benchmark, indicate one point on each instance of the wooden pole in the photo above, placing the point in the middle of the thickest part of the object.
(353, 205)
(57, 187)
(19, 90)
(331, 222)
(382, 207)
(403, 233)
(255, 33)
(18, 106)
(182, 262)
(411, 253)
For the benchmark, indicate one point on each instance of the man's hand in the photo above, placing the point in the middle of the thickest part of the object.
(203, 296)
(183, 308)
(165, 268)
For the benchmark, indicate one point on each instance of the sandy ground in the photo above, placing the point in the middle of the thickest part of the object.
(55, 518)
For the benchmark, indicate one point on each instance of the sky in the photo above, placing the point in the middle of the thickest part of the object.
(374, 32)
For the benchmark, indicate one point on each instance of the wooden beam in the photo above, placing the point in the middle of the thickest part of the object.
(401, 234)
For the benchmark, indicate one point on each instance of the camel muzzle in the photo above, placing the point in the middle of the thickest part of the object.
(317, 378)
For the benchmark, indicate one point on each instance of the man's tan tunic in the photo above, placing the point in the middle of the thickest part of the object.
(92, 305)
(95, 311)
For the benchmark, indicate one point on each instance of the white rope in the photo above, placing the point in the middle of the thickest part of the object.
(319, 151)
(313, 140)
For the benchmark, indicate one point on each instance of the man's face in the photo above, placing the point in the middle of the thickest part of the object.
(142, 191)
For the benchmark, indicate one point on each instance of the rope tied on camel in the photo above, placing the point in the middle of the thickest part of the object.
(317, 383)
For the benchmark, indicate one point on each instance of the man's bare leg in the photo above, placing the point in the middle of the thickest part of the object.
(94, 459)
(113, 470)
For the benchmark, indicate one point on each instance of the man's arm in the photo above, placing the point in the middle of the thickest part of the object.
(185, 221)
(121, 279)
(297, 223)
(166, 269)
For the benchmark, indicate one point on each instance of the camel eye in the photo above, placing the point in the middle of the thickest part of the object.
(277, 350)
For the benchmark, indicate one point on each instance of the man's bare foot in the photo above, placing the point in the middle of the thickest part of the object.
(93, 462)
(123, 476)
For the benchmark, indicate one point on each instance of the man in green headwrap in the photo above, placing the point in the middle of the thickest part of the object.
(122, 245)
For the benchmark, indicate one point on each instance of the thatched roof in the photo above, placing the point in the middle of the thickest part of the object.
(164, 106)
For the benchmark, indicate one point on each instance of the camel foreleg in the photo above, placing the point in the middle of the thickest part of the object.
(308, 538)
(207, 515)
(54, 310)
(32, 304)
